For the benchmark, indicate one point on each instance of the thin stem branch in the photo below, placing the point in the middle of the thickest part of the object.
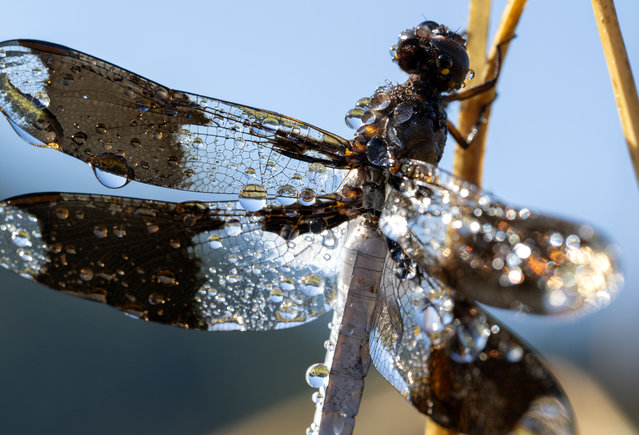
(468, 163)
(623, 85)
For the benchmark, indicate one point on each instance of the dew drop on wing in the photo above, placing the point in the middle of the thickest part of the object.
(26, 136)
(252, 197)
(317, 375)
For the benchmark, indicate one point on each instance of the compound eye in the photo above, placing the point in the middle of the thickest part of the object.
(427, 28)
(444, 63)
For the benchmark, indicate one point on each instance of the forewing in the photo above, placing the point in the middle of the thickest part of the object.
(126, 124)
(196, 265)
(496, 254)
(456, 364)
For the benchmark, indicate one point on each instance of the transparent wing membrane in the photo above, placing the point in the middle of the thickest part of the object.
(196, 265)
(456, 364)
(496, 254)
(120, 121)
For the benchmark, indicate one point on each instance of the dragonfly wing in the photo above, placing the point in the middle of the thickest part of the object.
(496, 254)
(126, 124)
(196, 265)
(456, 364)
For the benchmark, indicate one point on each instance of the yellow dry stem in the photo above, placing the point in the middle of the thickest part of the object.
(623, 85)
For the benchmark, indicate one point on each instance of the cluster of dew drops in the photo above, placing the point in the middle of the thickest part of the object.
(375, 120)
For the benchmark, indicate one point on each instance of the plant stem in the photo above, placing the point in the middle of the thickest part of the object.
(623, 85)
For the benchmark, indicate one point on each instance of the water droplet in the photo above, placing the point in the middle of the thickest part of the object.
(100, 129)
(470, 74)
(556, 239)
(156, 299)
(152, 228)
(86, 274)
(354, 119)
(288, 310)
(307, 197)
(184, 137)
(233, 227)
(162, 93)
(79, 138)
(380, 101)
(378, 153)
(369, 117)
(276, 295)
(523, 251)
(363, 103)
(215, 242)
(252, 197)
(100, 231)
(393, 226)
(61, 212)
(402, 112)
(157, 135)
(317, 375)
(198, 143)
(142, 105)
(119, 231)
(164, 276)
(572, 242)
(432, 321)
(111, 170)
(21, 239)
(312, 285)
(286, 195)
(317, 173)
(287, 284)
(317, 225)
(67, 80)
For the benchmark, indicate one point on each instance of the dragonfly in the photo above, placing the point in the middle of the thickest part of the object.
(405, 254)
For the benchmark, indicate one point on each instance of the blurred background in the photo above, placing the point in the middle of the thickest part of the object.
(555, 145)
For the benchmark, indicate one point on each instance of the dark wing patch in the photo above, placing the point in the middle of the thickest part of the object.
(94, 110)
(457, 365)
(196, 265)
(496, 254)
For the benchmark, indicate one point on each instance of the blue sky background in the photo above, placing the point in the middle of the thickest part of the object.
(554, 145)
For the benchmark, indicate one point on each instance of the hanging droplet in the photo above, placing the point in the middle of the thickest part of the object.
(79, 138)
(233, 227)
(165, 276)
(307, 197)
(369, 117)
(312, 285)
(470, 74)
(142, 105)
(402, 112)
(317, 375)
(215, 241)
(86, 274)
(317, 174)
(100, 129)
(286, 195)
(112, 170)
(380, 101)
(378, 153)
(252, 197)
(100, 231)
(21, 239)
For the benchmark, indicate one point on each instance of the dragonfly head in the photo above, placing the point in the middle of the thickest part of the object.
(434, 53)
